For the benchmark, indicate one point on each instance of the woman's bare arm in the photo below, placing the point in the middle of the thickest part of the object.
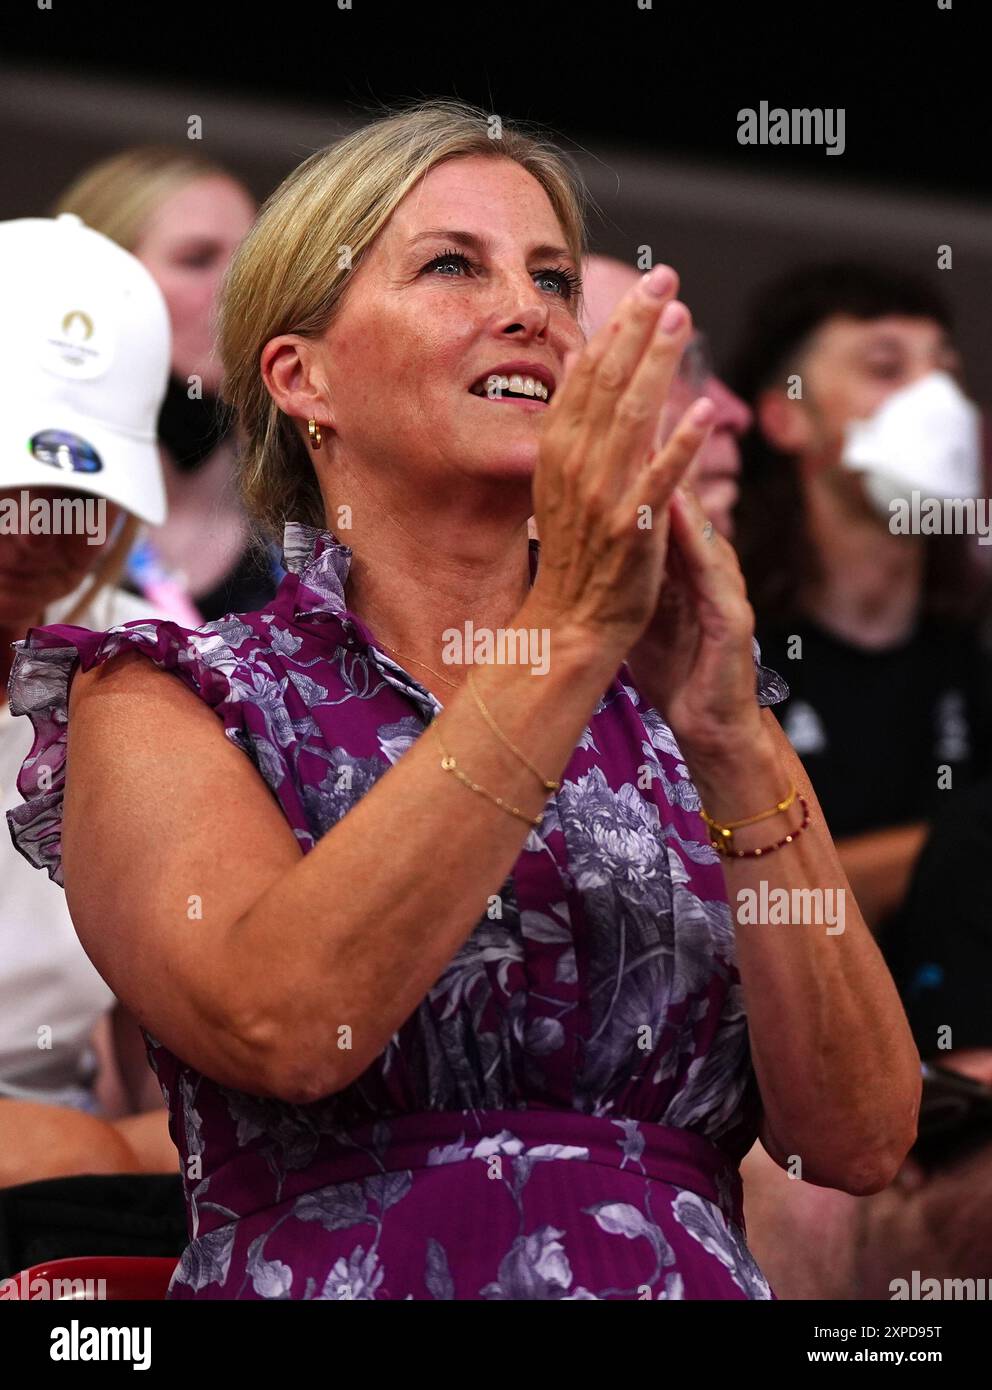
(836, 1064)
(837, 1068)
(293, 972)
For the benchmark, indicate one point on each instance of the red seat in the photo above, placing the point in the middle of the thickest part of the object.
(124, 1277)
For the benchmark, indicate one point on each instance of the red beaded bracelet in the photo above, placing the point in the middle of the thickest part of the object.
(721, 848)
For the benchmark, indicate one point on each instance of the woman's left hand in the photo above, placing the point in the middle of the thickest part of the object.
(852, 1118)
(695, 661)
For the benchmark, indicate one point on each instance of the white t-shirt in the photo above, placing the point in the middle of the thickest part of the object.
(46, 979)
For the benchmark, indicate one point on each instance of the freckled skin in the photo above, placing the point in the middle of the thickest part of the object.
(715, 471)
(406, 346)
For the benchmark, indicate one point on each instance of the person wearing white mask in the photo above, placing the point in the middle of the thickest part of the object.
(871, 615)
(84, 362)
(853, 377)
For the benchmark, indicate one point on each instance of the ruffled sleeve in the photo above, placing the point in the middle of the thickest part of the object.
(772, 689)
(44, 664)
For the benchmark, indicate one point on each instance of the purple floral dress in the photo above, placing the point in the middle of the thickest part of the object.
(564, 1114)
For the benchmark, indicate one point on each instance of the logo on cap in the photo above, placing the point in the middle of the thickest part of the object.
(83, 318)
(74, 343)
(68, 452)
(70, 345)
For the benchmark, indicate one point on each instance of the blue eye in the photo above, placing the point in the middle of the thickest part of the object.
(449, 258)
(566, 281)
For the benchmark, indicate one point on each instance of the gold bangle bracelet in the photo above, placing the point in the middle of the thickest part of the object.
(779, 806)
(449, 765)
(545, 782)
(723, 835)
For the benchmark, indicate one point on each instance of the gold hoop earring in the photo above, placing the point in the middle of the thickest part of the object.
(314, 429)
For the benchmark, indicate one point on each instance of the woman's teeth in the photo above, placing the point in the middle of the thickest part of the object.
(516, 386)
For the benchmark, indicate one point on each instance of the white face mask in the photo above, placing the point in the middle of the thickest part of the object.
(925, 437)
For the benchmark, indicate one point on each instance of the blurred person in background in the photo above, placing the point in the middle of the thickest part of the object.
(853, 376)
(182, 216)
(715, 474)
(83, 365)
(887, 684)
(936, 1218)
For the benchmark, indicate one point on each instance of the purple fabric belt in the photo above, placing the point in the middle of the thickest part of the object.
(426, 1139)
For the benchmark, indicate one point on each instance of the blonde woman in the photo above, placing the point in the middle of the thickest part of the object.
(435, 957)
(182, 216)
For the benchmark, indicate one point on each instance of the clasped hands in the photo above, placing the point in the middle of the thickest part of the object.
(627, 555)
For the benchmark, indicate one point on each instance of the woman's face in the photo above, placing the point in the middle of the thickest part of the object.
(186, 245)
(36, 570)
(469, 276)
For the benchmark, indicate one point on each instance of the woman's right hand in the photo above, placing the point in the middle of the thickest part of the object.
(601, 490)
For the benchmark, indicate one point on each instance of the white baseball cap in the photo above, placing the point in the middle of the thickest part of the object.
(85, 354)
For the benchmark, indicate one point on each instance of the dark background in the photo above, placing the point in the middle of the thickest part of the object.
(666, 80)
(647, 100)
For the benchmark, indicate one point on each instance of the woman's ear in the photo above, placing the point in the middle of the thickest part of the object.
(784, 423)
(294, 379)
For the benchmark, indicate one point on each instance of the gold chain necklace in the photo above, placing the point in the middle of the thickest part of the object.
(419, 663)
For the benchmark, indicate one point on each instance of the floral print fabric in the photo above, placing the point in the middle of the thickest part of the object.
(563, 1115)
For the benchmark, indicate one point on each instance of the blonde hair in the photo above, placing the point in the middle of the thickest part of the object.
(116, 197)
(291, 270)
